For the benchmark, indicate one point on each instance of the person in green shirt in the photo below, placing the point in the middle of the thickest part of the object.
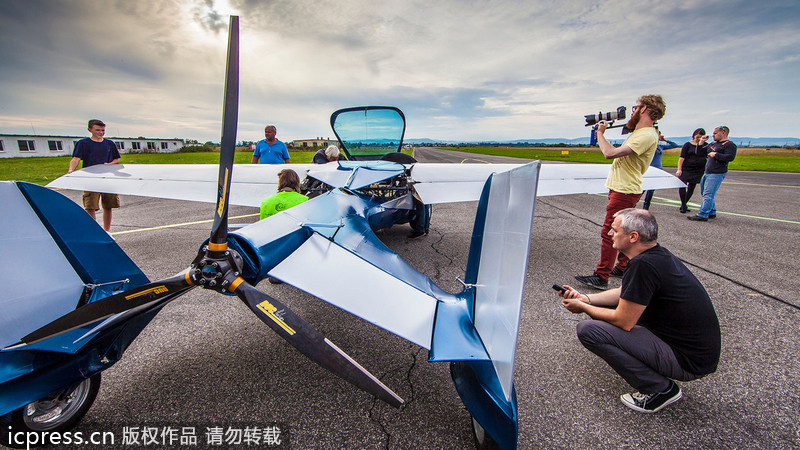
(288, 194)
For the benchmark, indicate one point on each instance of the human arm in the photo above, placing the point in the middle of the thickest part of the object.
(609, 151)
(665, 144)
(73, 164)
(606, 298)
(285, 154)
(679, 172)
(254, 160)
(727, 153)
(624, 316)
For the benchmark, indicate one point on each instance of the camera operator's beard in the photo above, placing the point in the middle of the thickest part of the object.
(634, 120)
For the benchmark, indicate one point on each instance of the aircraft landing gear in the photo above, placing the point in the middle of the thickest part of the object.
(482, 439)
(58, 412)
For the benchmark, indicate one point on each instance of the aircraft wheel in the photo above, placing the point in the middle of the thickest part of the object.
(58, 412)
(482, 439)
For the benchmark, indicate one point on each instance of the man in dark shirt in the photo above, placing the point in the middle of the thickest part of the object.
(720, 153)
(92, 151)
(659, 326)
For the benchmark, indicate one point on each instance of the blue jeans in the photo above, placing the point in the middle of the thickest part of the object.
(709, 185)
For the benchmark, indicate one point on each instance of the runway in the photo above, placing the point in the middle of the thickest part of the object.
(206, 360)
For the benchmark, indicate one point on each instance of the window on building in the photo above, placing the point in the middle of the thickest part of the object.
(136, 145)
(2, 148)
(26, 146)
(120, 145)
(151, 145)
(55, 146)
(164, 146)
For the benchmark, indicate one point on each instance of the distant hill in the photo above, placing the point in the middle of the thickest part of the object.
(740, 141)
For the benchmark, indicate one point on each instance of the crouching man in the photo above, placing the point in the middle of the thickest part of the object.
(659, 326)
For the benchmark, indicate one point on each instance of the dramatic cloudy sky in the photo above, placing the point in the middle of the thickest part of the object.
(466, 70)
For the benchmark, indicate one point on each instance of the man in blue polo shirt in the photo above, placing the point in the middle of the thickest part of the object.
(270, 150)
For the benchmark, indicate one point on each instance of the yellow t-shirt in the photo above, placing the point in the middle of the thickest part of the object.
(626, 172)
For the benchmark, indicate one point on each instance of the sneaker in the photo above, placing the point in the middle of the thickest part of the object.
(592, 281)
(616, 272)
(416, 234)
(712, 216)
(650, 403)
(698, 218)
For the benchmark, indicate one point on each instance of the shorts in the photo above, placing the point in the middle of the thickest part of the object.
(91, 200)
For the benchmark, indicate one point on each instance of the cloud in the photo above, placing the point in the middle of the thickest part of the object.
(490, 70)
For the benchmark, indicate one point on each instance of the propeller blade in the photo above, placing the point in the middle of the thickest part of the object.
(311, 343)
(227, 150)
(109, 306)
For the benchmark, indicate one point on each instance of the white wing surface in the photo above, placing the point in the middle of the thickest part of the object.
(447, 183)
(251, 183)
(381, 298)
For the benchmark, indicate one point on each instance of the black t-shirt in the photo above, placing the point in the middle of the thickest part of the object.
(93, 153)
(678, 309)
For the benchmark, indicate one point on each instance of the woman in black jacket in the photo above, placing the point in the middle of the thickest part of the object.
(691, 165)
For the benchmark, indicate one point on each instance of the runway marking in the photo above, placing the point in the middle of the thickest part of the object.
(763, 185)
(676, 204)
(174, 225)
(475, 159)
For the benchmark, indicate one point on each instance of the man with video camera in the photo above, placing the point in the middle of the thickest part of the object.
(624, 181)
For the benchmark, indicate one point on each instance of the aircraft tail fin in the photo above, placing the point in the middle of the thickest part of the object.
(494, 281)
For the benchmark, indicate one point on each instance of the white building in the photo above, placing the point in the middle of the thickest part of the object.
(318, 142)
(19, 145)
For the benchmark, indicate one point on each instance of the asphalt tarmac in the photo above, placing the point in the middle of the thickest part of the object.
(207, 361)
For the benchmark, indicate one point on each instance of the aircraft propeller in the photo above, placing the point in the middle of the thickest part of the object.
(219, 268)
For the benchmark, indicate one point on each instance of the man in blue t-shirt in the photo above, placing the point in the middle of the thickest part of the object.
(270, 150)
(92, 151)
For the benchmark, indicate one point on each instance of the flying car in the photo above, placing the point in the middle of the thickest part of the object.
(63, 326)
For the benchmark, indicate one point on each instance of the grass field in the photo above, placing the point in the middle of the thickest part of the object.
(759, 159)
(46, 169)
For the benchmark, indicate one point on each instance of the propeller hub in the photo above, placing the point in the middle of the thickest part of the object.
(216, 270)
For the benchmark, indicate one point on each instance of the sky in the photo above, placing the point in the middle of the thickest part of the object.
(459, 70)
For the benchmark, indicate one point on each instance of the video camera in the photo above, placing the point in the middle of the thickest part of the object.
(610, 117)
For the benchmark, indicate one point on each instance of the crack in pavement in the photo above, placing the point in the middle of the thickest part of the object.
(382, 421)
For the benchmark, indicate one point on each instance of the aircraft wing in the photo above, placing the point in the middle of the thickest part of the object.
(447, 183)
(381, 298)
(251, 183)
(336, 250)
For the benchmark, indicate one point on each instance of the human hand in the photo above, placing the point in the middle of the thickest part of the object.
(678, 172)
(711, 154)
(602, 126)
(573, 305)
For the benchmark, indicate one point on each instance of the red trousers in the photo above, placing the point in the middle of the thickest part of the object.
(617, 201)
